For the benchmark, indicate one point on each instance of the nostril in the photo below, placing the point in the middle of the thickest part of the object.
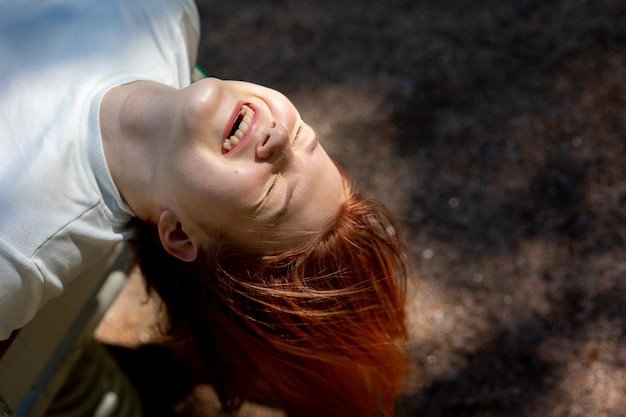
(273, 143)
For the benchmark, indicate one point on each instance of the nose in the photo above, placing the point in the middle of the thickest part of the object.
(275, 144)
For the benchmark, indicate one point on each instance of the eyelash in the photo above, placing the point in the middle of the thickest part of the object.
(295, 139)
(272, 186)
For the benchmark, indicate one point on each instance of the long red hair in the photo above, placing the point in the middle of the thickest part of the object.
(320, 327)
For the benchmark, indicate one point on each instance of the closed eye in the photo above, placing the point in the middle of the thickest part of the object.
(295, 139)
(269, 191)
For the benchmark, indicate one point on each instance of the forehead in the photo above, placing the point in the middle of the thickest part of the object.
(317, 195)
(315, 204)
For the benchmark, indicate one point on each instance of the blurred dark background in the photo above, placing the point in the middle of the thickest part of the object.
(495, 131)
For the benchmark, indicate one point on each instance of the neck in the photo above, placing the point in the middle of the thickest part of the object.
(137, 125)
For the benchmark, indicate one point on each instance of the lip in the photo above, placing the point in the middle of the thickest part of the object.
(230, 123)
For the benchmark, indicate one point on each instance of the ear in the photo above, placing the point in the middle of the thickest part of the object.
(174, 239)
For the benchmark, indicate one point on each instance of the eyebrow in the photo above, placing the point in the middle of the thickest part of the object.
(283, 208)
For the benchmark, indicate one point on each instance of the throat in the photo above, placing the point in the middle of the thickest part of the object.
(135, 139)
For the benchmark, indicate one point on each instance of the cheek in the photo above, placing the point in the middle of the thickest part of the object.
(238, 190)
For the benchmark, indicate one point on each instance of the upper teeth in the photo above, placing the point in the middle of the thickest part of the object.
(240, 127)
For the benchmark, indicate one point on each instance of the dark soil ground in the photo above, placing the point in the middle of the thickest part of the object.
(495, 130)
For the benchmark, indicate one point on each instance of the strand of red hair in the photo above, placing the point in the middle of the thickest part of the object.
(320, 328)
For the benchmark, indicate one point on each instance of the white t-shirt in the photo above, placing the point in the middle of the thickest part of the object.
(60, 211)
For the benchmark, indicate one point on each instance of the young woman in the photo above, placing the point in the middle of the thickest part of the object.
(278, 278)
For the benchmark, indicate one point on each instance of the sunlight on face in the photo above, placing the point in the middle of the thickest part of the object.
(274, 177)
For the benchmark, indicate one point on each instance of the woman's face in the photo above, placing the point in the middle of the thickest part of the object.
(248, 162)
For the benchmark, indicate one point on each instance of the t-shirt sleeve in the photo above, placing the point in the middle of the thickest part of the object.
(21, 290)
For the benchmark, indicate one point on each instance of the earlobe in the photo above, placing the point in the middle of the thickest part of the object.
(174, 239)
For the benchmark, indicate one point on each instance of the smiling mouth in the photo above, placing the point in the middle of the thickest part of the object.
(239, 129)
